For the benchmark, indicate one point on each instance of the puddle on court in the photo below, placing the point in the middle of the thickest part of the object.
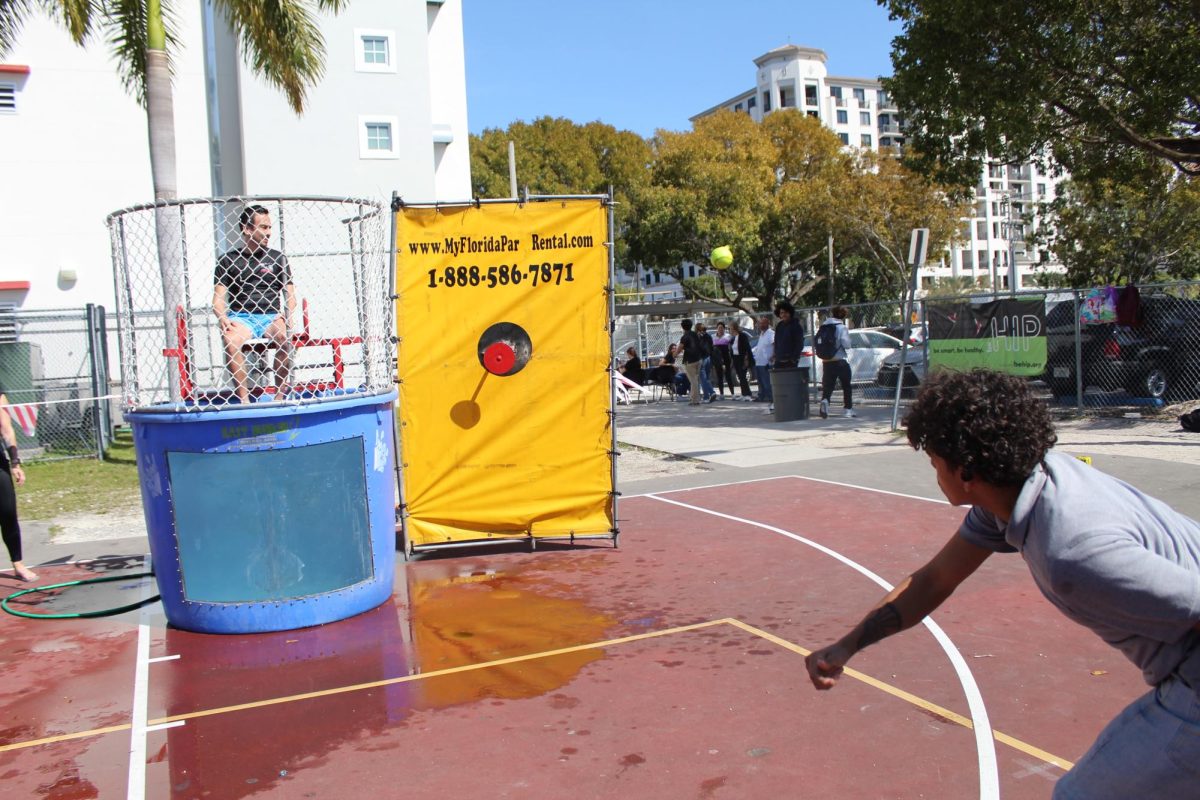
(457, 617)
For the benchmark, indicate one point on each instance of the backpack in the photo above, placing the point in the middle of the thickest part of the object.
(1190, 421)
(706, 345)
(825, 343)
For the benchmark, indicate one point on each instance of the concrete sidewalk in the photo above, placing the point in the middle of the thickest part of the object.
(737, 441)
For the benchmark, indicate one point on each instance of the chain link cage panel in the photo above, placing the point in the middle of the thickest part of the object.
(303, 284)
(54, 373)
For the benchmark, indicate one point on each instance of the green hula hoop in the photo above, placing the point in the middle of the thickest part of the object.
(107, 612)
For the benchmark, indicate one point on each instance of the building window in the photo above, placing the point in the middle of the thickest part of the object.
(861, 96)
(835, 91)
(845, 137)
(737, 107)
(751, 103)
(842, 116)
(814, 113)
(866, 140)
(786, 97)
(884, 100)
(374, 50)
(766, 102)
(980, 230)
(1041, 190)
(377, 137)
(810, 94)
(864, 118)
(8, 98)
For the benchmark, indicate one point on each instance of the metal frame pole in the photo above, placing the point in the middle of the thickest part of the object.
(611, 244)
(393, 298)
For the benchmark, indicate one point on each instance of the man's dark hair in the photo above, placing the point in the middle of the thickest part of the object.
(250, 212)
(686, 324)
(986, 424)
(784, 305)
(840, 312)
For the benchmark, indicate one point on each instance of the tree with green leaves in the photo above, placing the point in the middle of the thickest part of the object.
(765, 190)
(1089, 82)
(558, 156)
(1107, 232)
(775, 192)
(885, 202)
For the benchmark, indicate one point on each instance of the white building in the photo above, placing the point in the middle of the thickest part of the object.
(389, 115)
(862, 114)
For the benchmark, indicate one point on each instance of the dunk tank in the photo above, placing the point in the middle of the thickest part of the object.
(265, 455)
(504, 319)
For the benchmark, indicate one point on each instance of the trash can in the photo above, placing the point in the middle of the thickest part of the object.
(790, 389)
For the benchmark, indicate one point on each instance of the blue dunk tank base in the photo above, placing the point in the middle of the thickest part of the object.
(266, 518)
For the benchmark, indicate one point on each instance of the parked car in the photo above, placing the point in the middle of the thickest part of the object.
(915, 362)
(1158, 358)
(916, 333)
(868, 348)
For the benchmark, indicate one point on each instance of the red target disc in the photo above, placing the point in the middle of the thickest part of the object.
(499, 358)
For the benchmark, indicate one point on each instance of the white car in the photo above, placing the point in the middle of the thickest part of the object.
(868, 349)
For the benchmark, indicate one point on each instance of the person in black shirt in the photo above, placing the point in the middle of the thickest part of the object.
(10, 474)
(689, 343)
(253, 298)
(632, 368)
(789, 336)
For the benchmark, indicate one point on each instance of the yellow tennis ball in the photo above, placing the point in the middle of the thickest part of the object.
(721, 257)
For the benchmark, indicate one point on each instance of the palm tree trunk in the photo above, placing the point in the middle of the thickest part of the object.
(160, 118)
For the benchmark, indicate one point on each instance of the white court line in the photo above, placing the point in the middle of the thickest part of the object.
(707, 486)
(985, 745)
(165, 725)
(141, 679)
(163, 658)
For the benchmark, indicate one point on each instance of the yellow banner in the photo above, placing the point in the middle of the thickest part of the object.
(503, 363)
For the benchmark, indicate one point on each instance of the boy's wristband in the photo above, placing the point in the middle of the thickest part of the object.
(13, 458)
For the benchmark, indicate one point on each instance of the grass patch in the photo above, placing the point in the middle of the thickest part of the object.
(54, 488)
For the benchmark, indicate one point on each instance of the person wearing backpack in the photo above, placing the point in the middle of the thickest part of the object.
(831, 344)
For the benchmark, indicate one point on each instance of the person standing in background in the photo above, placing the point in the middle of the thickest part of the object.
(689, 344)
(742, 358)
(764, 359)
(789, 336)
(11, 475)
(706, 348)
(722, 362)
(836, 367)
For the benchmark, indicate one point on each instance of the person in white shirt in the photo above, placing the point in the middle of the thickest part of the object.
(764, 359)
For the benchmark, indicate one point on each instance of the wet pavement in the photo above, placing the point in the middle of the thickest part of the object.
(669, 667)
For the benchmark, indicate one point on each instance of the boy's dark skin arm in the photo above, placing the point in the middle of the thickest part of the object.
(906, 605)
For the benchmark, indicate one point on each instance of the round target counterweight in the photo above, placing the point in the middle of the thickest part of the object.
(504, 349)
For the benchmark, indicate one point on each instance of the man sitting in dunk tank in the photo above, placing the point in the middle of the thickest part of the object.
(253, 298)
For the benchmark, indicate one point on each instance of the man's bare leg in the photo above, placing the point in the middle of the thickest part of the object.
(236, 335)
(277, 332)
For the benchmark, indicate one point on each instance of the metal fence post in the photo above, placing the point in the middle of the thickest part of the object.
(93, 368)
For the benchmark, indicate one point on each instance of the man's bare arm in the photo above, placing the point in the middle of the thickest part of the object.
(915, 598)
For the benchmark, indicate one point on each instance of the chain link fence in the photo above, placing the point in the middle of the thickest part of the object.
(1106, 347)
(54, 371)
(251, 299)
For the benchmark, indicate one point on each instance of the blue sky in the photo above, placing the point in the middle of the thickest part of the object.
(642, 65)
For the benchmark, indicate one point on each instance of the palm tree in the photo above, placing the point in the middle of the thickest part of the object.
(280, 40)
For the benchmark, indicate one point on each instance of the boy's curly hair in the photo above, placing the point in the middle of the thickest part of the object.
(986, 424)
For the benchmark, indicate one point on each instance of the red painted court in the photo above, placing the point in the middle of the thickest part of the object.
(671, 667)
